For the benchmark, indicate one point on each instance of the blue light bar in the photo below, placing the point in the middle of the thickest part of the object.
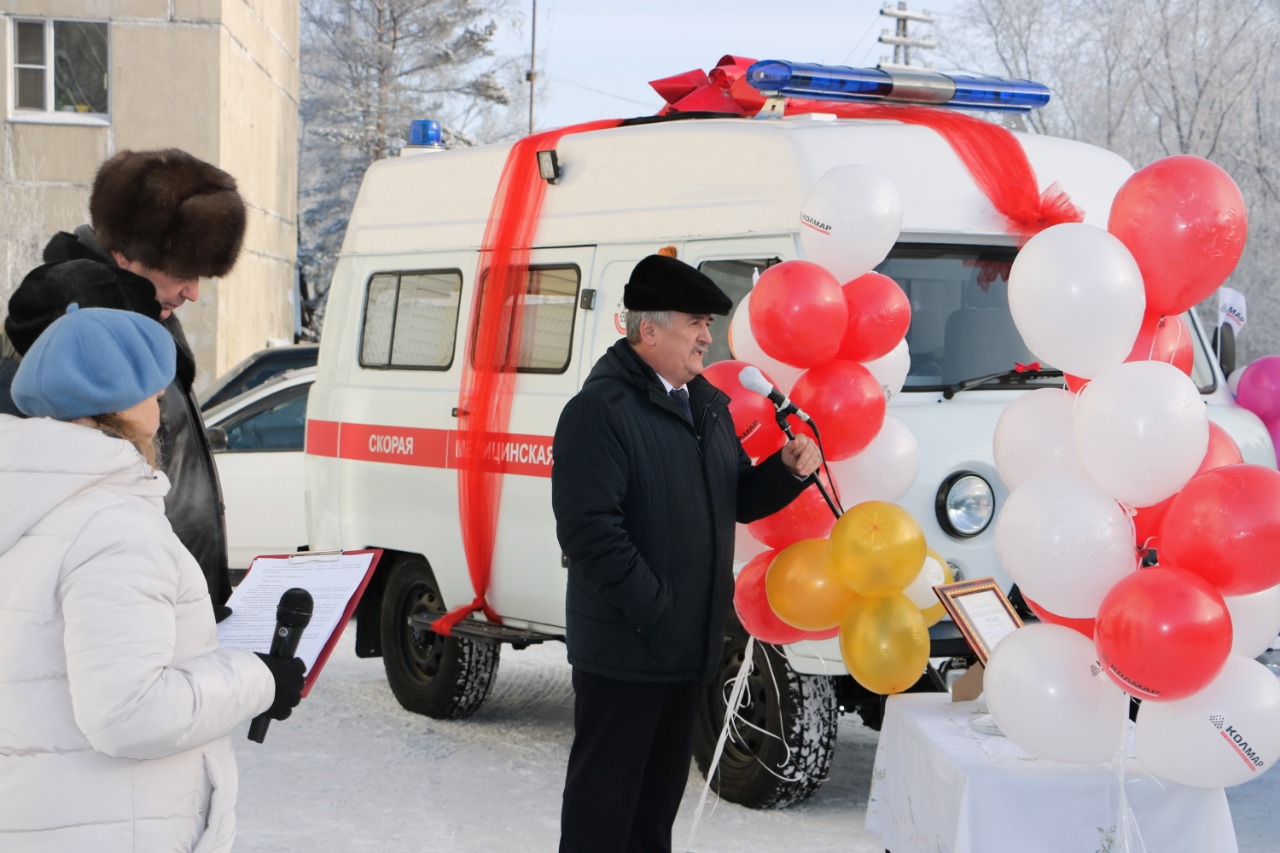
(841, 83)
(425, 132)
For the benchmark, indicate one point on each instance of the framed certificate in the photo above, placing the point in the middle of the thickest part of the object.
(981, 612)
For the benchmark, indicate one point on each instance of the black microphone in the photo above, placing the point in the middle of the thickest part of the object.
(753, 380)
(292, 615)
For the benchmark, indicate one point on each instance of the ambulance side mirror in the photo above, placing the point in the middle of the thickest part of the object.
(1224, 344)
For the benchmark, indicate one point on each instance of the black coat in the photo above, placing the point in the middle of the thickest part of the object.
(645, 507)
(194, 503)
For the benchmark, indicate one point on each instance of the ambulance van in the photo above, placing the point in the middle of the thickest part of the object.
(725, 191)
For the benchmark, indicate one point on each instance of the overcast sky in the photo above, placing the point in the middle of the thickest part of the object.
(595, 57)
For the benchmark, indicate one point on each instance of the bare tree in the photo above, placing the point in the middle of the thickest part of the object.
(370, 67)
(1151, 78)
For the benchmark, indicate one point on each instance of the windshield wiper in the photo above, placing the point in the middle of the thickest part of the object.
(1013, 375)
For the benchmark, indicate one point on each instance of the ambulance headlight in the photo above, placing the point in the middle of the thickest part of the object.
(965, 504)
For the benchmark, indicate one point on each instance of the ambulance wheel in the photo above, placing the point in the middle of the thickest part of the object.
(441, 677)
(780, 749)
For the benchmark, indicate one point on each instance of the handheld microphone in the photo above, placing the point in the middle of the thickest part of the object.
(292, 615)
(753, 380)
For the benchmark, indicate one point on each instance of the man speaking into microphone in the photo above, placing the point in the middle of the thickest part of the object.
(647, 482)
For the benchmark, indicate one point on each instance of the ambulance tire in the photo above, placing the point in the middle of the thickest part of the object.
(447, 678)
(780, 750)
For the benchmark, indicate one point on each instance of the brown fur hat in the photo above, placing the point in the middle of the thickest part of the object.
(169, 211)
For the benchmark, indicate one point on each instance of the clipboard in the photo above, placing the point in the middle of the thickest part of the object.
(336, 581)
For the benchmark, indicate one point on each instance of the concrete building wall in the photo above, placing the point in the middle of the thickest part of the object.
(218, 78)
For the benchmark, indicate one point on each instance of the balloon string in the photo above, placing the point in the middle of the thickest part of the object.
(1130, 833)
(730, 711)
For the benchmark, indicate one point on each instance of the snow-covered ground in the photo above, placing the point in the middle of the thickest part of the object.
(352, 771)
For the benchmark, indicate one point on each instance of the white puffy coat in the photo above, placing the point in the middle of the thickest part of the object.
(115, 699)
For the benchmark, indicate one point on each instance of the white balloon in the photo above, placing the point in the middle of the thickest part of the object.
(1035, 436)
(1048, 695)
(1077, 298)
(920, 590)
(1142, 430)
(742, 343)
(1065, 543)
(850, 219)
(883, 470)
(1223, 735)
(1233, 379)
(891, 370)
(1255, 621)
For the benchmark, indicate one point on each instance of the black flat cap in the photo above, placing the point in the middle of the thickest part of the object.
(47, 290)
(659, 283)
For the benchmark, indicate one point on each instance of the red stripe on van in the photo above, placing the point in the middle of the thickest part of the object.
(528, 455)
(322, 438)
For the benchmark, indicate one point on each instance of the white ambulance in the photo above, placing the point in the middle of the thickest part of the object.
(726, 192)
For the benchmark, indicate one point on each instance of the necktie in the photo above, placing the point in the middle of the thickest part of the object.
(681, 396)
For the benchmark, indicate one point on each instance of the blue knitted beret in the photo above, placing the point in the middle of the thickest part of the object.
(94, 361)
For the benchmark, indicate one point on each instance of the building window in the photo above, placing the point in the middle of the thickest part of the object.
(411, 319)
(60, 67)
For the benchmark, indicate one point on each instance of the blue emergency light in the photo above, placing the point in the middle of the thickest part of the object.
(425, 133)
(910, 86)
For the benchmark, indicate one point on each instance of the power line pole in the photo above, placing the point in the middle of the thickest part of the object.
(532, 75)
(900, 38)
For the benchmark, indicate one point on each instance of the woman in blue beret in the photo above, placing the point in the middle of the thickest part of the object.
(117, 700)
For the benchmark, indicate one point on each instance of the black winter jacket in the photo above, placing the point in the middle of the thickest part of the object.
(194, 503)
(645, 507)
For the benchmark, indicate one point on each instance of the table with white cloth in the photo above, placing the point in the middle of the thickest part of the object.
(944, 785)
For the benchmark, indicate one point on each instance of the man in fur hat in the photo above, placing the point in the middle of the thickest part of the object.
(165, 218)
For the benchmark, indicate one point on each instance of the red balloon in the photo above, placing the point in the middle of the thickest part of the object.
(1225, 527)
(879, 314)
(1147, 520)
(752, 604)
(1164, 339)
(1183, 219)
(753, 414)
(806, 517)
(845, 401)
(798, 313)
(1084, 626)
(1159, 338)
(1162, 633)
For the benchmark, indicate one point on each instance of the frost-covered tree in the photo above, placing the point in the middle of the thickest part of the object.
(1148, 79)
(370, 67)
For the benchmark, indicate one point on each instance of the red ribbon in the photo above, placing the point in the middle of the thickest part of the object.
(493, 346)
(1025, 368)
(991, 153)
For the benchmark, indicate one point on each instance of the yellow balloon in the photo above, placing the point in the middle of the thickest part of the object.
(802, 589)
(885, 643)
(933, 614)
(877, 548)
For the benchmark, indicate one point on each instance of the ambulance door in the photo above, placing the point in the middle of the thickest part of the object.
(527, 583)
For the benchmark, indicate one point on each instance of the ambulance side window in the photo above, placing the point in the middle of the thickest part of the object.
(548, 307)
(411, 320)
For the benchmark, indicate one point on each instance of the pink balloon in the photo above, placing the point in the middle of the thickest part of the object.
(1259, 389)
(798, 313)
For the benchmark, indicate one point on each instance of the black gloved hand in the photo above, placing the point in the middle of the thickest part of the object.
(220, 612)
(288, 674)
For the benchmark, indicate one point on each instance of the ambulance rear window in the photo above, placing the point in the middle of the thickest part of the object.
(411, 320)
